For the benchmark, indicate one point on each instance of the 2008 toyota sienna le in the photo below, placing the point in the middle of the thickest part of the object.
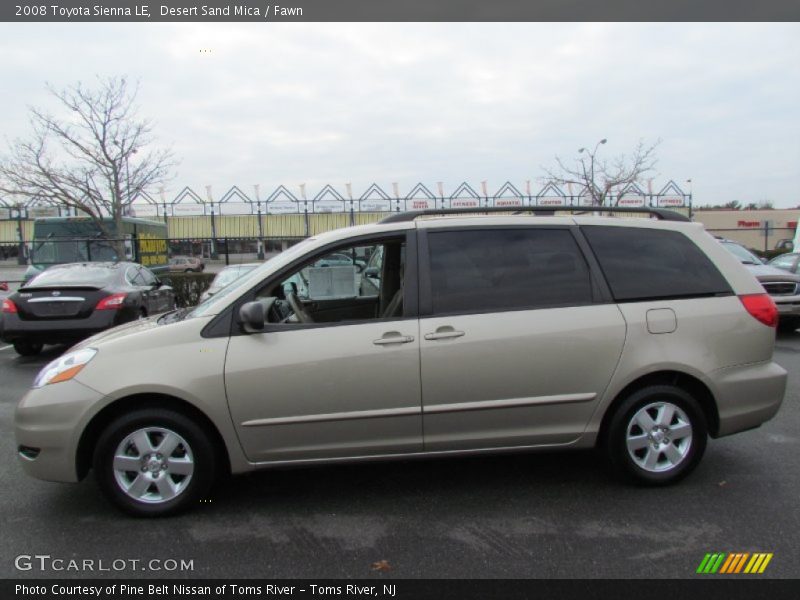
(452, 334)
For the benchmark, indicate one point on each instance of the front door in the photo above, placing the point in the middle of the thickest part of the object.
(337, 380)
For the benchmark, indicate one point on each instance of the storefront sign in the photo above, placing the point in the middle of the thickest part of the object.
(378, 205)
(502, 202)
(144, 210)
(234, 208)
(420, 203)
(187, 210)
(632, 200)
(551, 201)
(281, 208)
(464, 203)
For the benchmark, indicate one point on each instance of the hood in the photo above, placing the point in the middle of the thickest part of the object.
(120, 331)
(768, 273)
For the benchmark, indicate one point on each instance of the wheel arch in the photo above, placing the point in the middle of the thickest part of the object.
(690, 384)
(95, 427)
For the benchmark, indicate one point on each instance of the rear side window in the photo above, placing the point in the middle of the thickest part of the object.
(648, 264)
(506, 269)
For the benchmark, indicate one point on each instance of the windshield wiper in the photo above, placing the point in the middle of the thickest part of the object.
(179, 314)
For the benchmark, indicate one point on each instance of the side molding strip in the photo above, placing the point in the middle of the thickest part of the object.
(433, 409)
(341, 416)
(509, 403)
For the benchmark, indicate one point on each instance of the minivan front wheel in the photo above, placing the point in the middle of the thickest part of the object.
(154, 462)
(657, 435)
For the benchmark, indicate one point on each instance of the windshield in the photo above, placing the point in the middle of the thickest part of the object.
(68, 251)
(742, 253)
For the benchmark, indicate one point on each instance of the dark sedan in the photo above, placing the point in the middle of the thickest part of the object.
(69, 302)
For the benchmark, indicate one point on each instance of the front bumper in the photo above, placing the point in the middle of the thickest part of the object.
(788, 306)
(748, 395)
(51, 419)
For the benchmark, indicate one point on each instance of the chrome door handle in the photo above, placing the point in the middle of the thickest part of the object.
(393, 339)
(443, 335)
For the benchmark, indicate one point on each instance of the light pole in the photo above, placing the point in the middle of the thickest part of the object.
(689, 181)
(591, 167)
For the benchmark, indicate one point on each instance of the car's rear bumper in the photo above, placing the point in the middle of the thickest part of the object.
(48, 421)
(748, 395)
(56, 331)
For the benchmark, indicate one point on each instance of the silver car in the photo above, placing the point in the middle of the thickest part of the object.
(481, 334)
(781, 284)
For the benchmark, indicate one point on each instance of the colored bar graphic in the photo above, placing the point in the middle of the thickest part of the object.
(730, 564)
(740, 564)
(765, 563)
(755, 562)
(703, 563)
(734, 562)
(717, 563)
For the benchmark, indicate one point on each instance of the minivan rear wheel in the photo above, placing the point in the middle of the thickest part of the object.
(154, 462)
(656, 436)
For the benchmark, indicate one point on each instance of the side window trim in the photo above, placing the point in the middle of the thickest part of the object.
(410, 286)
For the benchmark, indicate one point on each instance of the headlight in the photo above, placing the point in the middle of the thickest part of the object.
(65, 367)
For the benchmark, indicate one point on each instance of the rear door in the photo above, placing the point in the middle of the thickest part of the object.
(161, 296)
(151, 299)
(518, 342)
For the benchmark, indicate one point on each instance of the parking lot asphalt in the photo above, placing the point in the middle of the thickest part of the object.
(516, 516)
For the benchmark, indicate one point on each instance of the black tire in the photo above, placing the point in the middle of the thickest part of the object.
(26, 348)
(788, 324)
(632, 464)
(200, 453)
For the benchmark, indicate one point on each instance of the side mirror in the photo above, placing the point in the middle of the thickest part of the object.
(254, 314)
(372, 272)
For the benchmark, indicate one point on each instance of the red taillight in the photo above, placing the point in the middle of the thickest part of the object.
(112, 302)
(9, 306)
(762, 307)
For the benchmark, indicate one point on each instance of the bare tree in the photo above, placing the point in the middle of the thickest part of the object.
(600, 178)
(94, 160)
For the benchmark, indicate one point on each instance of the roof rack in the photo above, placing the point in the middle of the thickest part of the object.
(660, 213)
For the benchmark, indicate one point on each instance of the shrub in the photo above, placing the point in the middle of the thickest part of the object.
(188, 286)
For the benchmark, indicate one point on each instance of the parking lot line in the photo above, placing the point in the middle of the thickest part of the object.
(5, 348)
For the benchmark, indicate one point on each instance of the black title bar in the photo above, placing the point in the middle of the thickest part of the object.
(396, 10)
(387, 588)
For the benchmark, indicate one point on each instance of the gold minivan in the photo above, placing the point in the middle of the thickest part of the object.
(474, 334)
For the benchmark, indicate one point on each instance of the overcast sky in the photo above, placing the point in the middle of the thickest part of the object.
(333, 103)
